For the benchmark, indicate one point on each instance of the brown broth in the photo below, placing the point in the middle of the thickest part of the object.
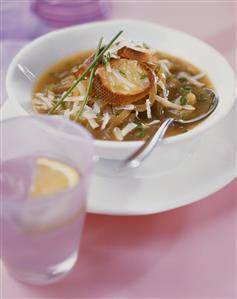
(50, 76)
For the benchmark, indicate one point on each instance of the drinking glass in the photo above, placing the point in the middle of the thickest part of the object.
(40, 236)
(61, 13)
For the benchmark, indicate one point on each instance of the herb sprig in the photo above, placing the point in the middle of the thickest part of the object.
(88, 69)
(122, 73)
(143, 76)
(88, 88)
(141, 130)
(183, 100)
(184, 90)
(158, 69)
(145, 46)
(106, 58)
(182, 79)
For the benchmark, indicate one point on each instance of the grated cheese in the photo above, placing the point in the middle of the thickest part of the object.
(75, 108)
(96, 108)
(167, 103)
(129, 44)
(171, 105)
(81, 88)
(188, 107)
(126, 107)
(45, 100)
(199, 76)
(166, 62)
(154, 122)
(177, 100)
(74, 69)
(122, 79)
(164, 90)
(67, 113)
(128, 128)
(63, 74)
(108, 67)
(139, 49)
(65, 81)
(51, 95)
(88, 108)
(41, 106)
(39, 94)
(118, 134)
(165, 65)
(105, 120)
(114, 49)
(74, 99)
(92, 123)
(148, 108)
(88, 114)
(191, 79)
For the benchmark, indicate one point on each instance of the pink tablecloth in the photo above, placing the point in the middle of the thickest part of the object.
(189, 252)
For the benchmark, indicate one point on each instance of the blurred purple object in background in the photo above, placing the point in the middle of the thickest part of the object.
(17, 22)
(62, 13)
(30, 18)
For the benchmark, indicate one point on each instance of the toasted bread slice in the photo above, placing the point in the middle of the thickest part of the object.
(122, 81)
(133, 54)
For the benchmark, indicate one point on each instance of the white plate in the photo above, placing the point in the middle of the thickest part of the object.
(209, 168)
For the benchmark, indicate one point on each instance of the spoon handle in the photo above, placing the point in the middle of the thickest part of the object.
(145, 150)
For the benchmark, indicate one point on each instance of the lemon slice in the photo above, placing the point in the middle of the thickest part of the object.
(52, 176)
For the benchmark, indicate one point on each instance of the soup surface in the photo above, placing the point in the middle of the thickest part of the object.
(133, 90)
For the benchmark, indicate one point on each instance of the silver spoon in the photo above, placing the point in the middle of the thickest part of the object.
(145, 150)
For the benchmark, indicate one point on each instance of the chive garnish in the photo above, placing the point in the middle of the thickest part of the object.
(140, 134)
(88, 69)
(187, 89)
(158, 69)
(182, 79)
(183, 100)
(171, 77)
(184, 90)
(143, 76)
(141, 131)
(106, 58)
(122, 73)
(145, 46)
(88, 88)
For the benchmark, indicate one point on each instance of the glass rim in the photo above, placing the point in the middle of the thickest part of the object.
(86, 134)
(50, 198)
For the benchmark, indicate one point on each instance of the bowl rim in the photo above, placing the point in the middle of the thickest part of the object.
(204, 126)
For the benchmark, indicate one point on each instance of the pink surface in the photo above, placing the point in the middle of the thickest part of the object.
(189, 252)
